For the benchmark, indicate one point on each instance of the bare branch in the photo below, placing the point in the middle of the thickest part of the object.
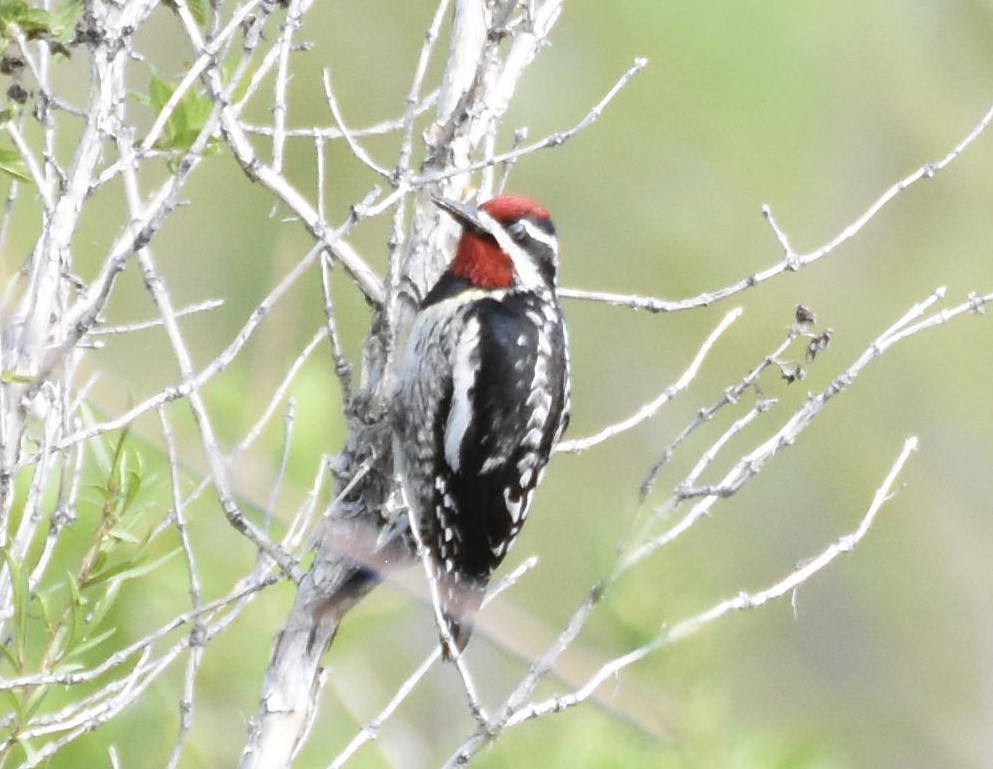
(552, 140)
(755, 460)
(742, 601)
(650, 409)
(792, 261)
(339, 120)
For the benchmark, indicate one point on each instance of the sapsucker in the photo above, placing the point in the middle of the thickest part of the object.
(483, 397)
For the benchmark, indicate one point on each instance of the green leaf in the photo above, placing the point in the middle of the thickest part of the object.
(46, 612)
(126, 570)
(67, 667)
(8, 654)
(117, 468)
(199, 10)
(93, 641)
(32, 22)
(103, 605)
(76, 621)
(12, 164)
(123, 535)
(14, 704)
(34, 701)
(132, 488)
(198, 108)
(104, 571)
(159, 92)
(186, 121)
(64, 19)
(98, 563)
(114, 500)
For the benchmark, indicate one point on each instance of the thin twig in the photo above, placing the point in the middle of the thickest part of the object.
(742, 601)
(552, 140)
(650, 409)
(142, 325)
(370, 729)
(752, 462)
(731, 395)
(188, 702)
(330, 133)
(791, 261)
(357, 149)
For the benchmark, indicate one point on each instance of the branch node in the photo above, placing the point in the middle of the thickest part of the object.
(977, 303)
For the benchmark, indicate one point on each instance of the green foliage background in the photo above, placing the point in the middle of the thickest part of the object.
(886, 660)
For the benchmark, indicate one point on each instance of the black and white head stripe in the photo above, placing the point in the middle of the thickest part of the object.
(521, 228)
(536, 236)
(531, 244)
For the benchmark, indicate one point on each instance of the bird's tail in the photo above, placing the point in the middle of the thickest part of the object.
(460, 601)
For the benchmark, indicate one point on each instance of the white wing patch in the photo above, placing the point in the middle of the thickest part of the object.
(464, 369)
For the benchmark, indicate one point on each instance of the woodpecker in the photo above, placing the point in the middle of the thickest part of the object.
(483, 397)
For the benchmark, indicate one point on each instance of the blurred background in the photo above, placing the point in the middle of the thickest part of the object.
(885, 659)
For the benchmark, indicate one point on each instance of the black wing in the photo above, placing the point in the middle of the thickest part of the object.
(516, 396)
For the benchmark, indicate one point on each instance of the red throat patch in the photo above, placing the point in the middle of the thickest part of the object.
(482, 263)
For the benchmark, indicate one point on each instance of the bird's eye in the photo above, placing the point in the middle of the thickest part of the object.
(517, 230)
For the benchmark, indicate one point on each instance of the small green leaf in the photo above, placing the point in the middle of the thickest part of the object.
(122, 535)
(199, 10)
(139, 567)
(103, 574)
(17, 17)
(98, 564)
(14, 704)
(15, 12)
(12, 164)
(64, 19)
(76, 622)
(103, 605)
(119, 461)
(34, 701)
(67, 667)
(159, 92)
(187, 119)
(198, 109)
(93, 641)
(8, 654)
(132, 488)
(46, 612)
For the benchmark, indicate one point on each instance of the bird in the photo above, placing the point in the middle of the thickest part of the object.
(483, 396)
